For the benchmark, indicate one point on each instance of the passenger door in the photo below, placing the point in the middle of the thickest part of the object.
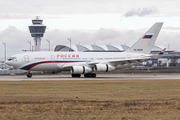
(26, 59)
(52, 58)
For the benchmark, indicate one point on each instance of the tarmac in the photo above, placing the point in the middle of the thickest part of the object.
(99, 77)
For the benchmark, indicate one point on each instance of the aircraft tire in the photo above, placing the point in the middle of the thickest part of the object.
(85, 75)
(93, 75)
(29, 75)
(76, 75)
(90, 75)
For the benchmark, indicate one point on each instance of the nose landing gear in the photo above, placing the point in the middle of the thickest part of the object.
(29, 75)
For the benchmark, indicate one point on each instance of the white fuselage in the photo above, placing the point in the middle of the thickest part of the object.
(59, 61)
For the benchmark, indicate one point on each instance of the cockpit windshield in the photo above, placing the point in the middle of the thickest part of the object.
(11, 58)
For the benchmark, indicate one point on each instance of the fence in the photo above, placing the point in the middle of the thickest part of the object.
(12, 72)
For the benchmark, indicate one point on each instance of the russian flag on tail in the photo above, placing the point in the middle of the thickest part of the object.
(147, 37)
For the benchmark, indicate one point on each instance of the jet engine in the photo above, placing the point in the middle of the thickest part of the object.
(80, 69)
(103, 68)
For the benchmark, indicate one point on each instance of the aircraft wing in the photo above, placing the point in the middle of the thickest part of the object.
(111, 62)
(130, 61)
(81, 64)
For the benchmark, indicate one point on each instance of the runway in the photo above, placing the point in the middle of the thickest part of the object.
(99, 77)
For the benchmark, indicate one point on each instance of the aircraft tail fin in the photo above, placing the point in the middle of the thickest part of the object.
(147, 41)
(162, 52)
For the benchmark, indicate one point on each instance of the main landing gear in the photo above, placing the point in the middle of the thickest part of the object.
(76, 75)
(90, 75)
(29, 75)
(93, 75)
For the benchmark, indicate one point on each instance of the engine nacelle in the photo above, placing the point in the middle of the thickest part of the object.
(80, 69)
(87, 69)
(103, 68)
(77, 69)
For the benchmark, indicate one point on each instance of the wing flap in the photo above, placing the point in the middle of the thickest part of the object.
(127, 62)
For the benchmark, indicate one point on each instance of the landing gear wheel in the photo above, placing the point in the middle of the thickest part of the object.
(90, 75)
(93, 75)
(76, 75)
(29, 75)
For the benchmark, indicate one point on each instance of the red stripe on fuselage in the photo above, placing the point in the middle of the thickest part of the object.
(147, 37)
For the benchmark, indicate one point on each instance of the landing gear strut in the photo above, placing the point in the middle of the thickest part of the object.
(90, 75)
(29, 75)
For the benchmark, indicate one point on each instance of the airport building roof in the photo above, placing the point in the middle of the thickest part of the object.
(93, 47)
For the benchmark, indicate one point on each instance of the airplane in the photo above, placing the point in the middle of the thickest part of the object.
(87, 63)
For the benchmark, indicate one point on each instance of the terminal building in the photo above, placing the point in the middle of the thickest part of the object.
(93, 48)
(103, 48)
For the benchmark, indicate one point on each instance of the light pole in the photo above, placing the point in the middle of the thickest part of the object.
(4, 51)
(30, 44)
(70, 43)
(49, 43)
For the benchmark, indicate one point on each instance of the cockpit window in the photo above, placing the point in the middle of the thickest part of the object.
(11, 58)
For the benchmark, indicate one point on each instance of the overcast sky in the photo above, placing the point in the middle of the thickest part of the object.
(88, 22)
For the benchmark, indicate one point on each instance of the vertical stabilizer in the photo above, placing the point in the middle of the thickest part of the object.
(147, 41)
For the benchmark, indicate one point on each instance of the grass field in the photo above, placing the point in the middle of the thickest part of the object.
(91, 100)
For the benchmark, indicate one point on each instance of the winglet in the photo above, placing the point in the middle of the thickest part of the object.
(147, 41)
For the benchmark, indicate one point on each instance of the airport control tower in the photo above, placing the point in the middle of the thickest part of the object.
(37, 30)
